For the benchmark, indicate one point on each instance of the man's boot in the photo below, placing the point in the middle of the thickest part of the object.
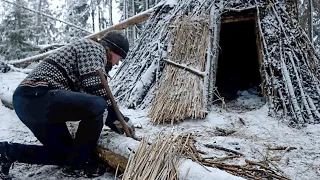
(6, 160)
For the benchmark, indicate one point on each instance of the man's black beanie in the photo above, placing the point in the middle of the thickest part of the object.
(116, 42)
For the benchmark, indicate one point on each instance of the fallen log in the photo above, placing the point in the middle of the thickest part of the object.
(112, 159)
(123, 146)
(6, 101)
(7, 104)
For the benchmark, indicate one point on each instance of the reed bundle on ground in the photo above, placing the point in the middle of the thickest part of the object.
(251, 169)
(160, 160)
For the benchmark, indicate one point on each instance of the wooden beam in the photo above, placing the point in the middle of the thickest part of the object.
(185, 67)
(237, 19)
(143, 16)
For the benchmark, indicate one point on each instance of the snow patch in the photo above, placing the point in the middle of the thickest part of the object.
(193, 171)
(171, 3)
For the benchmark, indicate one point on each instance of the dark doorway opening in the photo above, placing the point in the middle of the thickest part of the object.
(238, 63)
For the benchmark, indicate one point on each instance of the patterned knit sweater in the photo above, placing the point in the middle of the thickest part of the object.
(72, 68)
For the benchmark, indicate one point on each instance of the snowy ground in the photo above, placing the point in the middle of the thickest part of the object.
(252, 138)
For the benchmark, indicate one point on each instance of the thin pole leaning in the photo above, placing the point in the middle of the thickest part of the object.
(113, 102)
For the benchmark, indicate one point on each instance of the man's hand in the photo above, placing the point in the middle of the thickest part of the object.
(129, 124)
(113, 122)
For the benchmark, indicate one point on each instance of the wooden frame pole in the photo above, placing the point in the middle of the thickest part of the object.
(113, 102)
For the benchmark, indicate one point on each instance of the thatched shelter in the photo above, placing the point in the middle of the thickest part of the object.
(192, 48)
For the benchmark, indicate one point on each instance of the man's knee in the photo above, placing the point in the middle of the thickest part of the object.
(99, 106)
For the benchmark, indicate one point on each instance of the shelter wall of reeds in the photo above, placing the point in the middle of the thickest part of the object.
(172, 68)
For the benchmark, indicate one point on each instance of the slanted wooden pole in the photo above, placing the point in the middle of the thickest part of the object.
(113, 102)
(143, 16)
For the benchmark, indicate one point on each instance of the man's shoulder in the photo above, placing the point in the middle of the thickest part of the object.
(86, 43)
(88, 46)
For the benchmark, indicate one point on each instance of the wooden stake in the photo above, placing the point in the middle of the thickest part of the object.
(113, 102)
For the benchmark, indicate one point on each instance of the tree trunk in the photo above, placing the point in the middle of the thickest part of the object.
(110, 13)
(93, 21)
(125, 4)
(147, 5)
(39, 6)
(134, 32)
(310, 20)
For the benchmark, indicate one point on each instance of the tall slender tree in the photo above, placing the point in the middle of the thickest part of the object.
(78, 13)
(316, 29)
(110, 12)
(45, 29)
(310, 20)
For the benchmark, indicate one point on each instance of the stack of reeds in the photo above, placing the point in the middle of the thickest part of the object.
(180, 93)
(159, 160)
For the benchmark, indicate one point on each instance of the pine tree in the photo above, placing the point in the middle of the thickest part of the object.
(45, 28)
(16, 32)
(78, 13)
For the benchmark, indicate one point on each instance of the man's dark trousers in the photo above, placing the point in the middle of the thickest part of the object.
(45, 112)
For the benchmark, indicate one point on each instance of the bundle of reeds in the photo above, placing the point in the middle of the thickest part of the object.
(251, 169)
(180, 93)
(159, 160)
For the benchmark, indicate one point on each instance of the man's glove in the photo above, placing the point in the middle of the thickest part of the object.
(113, 123)
(128, 124)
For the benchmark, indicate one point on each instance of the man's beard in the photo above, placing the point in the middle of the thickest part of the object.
(108, 67)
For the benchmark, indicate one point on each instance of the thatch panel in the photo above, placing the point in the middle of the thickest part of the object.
(289, 63)
(180, 94)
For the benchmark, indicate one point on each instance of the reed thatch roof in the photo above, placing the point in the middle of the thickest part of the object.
(172, 69)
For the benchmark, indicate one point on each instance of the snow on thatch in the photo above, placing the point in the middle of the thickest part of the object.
(288, 62)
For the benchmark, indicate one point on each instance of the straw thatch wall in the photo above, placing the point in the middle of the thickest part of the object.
(289, 64)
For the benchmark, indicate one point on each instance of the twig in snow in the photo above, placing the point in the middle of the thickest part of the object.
(280, 148)
(222, 148)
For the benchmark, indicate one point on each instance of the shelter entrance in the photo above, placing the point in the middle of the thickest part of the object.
(238, 63)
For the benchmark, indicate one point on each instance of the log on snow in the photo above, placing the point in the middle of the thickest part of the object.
(6, 101)
(123, 146)
(112, 159)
